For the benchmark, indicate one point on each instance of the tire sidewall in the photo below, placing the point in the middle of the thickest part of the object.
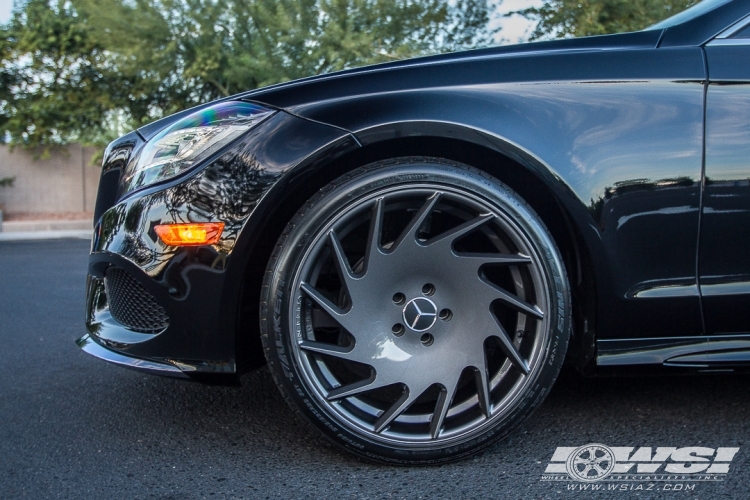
(277, 298)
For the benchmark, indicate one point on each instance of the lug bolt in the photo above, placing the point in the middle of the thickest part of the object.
(399, 299)
(398, 329)
(445, 314)
(428, 289)
(427, 339)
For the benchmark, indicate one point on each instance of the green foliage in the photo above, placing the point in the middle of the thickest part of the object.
(7, 181)
(86, 70)
(176, 53)
(566, 18)
(55, 84)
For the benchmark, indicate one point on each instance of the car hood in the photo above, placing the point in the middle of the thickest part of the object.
(405, 73)
(466, 67)
(475, 66)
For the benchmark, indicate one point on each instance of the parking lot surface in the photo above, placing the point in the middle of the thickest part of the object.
(72, 426)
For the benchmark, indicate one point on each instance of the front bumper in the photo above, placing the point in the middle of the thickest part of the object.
(176, 310)
(88, 345)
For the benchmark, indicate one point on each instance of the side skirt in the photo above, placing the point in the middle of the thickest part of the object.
(702, 353)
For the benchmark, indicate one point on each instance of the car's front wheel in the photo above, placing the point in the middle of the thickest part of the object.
(415, 311)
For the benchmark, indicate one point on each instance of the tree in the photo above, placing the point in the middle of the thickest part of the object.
(83, 69)
(55, 85)
(566, 18)
(195, 50)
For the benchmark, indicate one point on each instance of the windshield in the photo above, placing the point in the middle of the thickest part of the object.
(686, 15)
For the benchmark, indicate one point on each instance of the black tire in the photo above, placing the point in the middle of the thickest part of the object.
(410, 205)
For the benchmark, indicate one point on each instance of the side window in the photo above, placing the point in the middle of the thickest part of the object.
(743, 33)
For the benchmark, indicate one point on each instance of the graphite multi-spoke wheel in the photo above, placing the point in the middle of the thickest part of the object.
(415, 311)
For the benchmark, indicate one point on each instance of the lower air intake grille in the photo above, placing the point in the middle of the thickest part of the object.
(131, 304)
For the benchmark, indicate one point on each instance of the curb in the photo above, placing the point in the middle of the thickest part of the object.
(45, 235)
(24, 226)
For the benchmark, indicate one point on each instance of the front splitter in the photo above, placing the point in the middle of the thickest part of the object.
(90, 346)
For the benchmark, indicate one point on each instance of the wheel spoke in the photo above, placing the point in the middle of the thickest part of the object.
(374, 233)
(506, 345)
(515, 302)
(483, 388)
(495, 259)
(368, 384)
(410, 231)
(396, 409)
(329, 349)
(450, 236)
(444, 400)
(343, 318)
(599, 468)
(342, 264)
(321, 319)
(319, 299)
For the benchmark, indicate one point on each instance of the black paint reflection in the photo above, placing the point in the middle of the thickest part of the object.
(727, 132)
(226, 191)
(624, 155)
(603, 205)
(725, 229)
(190, 282)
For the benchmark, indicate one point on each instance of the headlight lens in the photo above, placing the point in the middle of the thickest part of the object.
(190, 140)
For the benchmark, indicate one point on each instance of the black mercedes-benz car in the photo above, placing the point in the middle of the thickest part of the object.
(415, 248)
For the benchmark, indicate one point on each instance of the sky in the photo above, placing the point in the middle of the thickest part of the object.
(6, 6)
(514, 29)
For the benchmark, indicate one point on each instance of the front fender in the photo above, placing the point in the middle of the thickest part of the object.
(611, 151)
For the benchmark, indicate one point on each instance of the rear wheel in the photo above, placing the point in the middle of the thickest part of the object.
(415, 311)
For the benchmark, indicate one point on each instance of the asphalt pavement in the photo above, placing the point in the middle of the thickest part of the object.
(72, 426)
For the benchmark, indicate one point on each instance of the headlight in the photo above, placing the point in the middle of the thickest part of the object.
(189, 141)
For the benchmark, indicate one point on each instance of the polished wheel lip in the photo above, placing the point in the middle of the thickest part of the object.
(303, 349)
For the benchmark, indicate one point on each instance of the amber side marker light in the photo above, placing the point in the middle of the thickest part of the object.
(193, 234)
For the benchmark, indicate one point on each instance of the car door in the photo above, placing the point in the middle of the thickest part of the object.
(724, 252)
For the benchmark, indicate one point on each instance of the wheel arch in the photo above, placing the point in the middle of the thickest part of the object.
(520, 170)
